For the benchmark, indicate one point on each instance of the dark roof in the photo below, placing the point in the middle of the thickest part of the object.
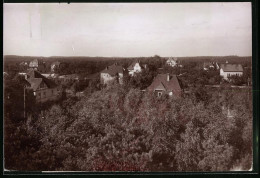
(35, 79)
(131, 67)
(231, 67)
(113, 69)
(93, 76)
(160, 82)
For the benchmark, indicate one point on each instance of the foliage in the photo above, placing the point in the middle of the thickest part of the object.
(124, 129)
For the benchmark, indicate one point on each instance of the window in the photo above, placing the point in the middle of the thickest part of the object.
(44, 94)
(39, 94)
(159, 93)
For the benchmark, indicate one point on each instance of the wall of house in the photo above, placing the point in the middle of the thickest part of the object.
(137, 68)
(105, 78)
(120, 78)
(226, 74)
(47, 94)
(171, 63)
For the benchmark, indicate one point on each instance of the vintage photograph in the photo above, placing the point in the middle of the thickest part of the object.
(129, 87)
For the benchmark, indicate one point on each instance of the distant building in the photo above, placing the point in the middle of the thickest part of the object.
(34, 64)
(172, 62)
(37, 65)
(44, 89)
(110, 73)
(23, 64)
(227, 70)
(53, 76)
(166, 84)
(135, 67)
(55, 65)
(208, 65)
(68, 78)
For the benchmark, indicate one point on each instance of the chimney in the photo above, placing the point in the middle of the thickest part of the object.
(168, 77)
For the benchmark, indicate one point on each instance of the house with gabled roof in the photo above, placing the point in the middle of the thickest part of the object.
(37, 65)
(227, 70)
(34, 64)
(135, 67)
(111, 73)
(166, 84)
(55, 65)
(210, 65)
(43, 88)
(172, 62)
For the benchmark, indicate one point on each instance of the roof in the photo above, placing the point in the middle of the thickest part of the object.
(160, 82)
(113, 69)
(131, 67)
(35, 79)
(93, 76)
(231, 67)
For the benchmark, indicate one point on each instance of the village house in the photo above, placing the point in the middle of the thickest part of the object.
(43, 89)
(68, 78)
(34, 64)
(172, 62)
(210, 65)
(166, 84)
(51, 76)
(110, 73)
(227, 70)
(37, 65)
(55, 65)
(135, 67)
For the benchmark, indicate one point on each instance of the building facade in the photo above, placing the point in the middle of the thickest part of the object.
(166, 84)
(227, 70)
(43, 89)
(112, 73)
(172, 62)
(135, 67)
(54, 66)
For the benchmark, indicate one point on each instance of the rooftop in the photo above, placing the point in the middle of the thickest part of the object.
(160, 82)
(113, 69)
(231, 67)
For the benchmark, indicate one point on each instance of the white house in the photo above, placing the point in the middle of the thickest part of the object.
(135, 67)
(54, 65)
(110, 73)
(172, 62)
(227, 70)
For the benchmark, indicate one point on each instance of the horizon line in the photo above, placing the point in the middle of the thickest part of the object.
(125, 56)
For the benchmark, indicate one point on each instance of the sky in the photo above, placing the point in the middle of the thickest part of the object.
(128, 29)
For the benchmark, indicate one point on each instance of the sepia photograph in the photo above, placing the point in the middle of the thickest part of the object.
(127, 87)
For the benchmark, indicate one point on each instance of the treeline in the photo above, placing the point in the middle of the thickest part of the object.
(90, 65)
(119, 128)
